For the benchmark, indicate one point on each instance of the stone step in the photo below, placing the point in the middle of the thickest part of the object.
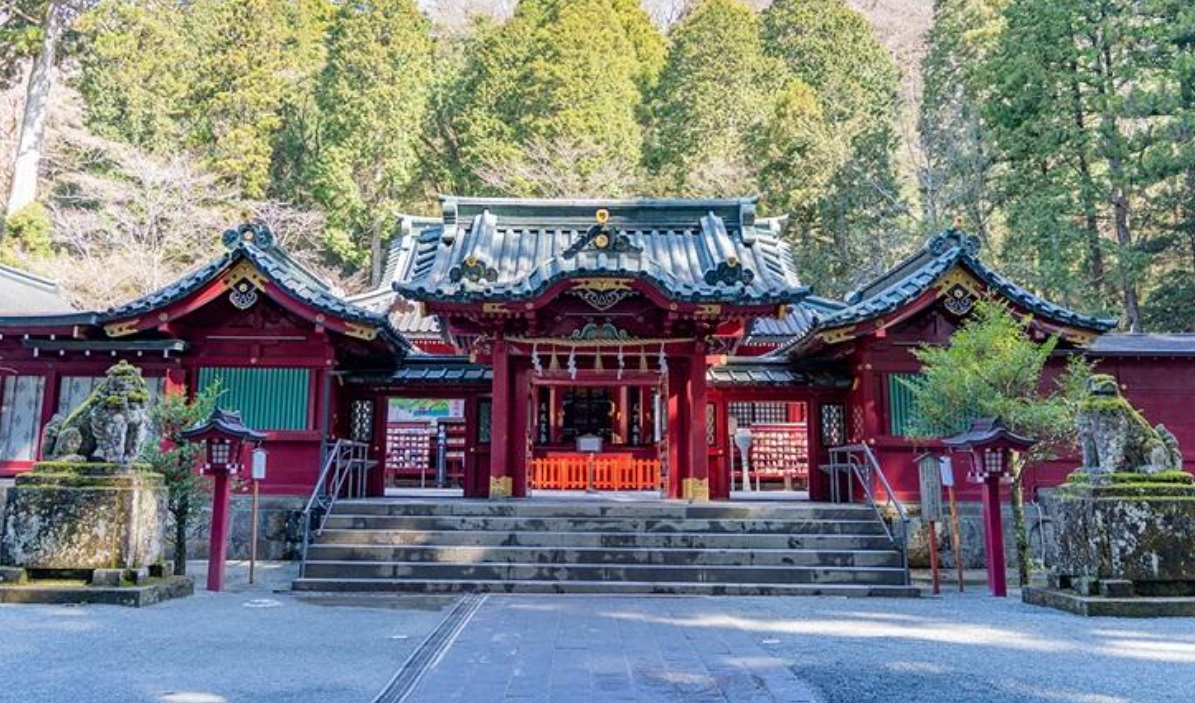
(603, 524)
(565, 540)
(352, 570)
(604, 587)
(598, 555)
(649, 510)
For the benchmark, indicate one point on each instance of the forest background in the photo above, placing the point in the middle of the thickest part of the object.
(1061, 132)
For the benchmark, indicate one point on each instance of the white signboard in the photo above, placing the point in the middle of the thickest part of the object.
(589, 443)
(947, 468)
(258, 468)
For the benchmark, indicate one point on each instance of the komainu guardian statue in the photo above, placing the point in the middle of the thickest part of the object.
(1115, 438)
(110, 426)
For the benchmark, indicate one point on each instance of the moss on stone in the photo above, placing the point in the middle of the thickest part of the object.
(1129, 478)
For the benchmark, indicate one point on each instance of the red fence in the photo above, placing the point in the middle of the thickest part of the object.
(611, 472)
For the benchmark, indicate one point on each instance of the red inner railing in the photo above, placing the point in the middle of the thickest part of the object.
(611, 472)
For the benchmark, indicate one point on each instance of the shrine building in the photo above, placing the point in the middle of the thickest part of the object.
(516, 347)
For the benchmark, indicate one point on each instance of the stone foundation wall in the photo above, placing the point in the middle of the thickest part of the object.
(279, 529)
(1041, 528)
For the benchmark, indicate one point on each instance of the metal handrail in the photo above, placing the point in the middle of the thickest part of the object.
(344, 472)
(867, 471)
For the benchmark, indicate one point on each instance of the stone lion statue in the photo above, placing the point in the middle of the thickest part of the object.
(1114, 437)
(109, 426)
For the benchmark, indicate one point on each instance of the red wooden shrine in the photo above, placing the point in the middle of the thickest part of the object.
(509, 328)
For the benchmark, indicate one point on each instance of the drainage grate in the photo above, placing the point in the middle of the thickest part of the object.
(428, 654)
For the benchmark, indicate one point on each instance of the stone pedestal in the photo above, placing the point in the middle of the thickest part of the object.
(75, 517)
(1122, 539)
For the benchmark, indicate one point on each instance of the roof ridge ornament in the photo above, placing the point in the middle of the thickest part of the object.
(954, 237)
(473, 269)
(600, 237)
(729, 272)
(249, 232)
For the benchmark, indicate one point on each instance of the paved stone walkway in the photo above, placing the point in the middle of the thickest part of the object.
(524, 649)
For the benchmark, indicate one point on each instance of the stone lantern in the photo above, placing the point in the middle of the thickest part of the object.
(990, 445)
(223, 435)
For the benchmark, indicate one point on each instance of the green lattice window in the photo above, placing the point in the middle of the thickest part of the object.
(902, 412)
(267, 398)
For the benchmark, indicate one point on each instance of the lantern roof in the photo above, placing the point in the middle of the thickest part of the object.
(988, 433)
(223, 422)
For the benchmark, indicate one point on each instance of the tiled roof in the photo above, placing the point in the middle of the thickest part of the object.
(431, 369)
(768, 371)
(22, 293)
(694, 250)
(281, 269)
(800, 318)
(1144, 344)
(406, 317)
(753, 371)
(920, 272)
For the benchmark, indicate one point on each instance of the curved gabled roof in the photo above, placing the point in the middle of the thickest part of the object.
(283, 271)
(693, 250)
(926, 268)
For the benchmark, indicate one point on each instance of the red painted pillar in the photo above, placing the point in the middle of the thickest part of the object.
(218, 546)
(499, 483)
(677, 438)
(376, 478)
(699, 452)
(520, 431)
(993, 536)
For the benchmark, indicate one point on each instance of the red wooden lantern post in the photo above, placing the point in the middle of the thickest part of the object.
(990, 445)
(223, 435)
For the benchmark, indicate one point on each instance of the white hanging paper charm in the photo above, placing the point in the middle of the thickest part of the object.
(663, 360)
(572, 363)
(539, 369)
(621, 363)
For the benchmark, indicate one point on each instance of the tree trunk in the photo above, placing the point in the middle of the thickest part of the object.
(1112, 145)
(375, 254)
(1091, 225)
(23, 188)
(181, 518)
(1124, 239)
(1020, 534)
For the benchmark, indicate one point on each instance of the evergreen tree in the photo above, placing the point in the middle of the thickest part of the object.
(956, 179)
(248, 56)
(555, 97)
(1170, 159)
(993, 369)
(1068, 119)
(136, 72)
(373, 96)
(708, 99)
(831, 48)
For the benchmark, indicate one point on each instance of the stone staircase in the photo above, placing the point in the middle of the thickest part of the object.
(545, 546)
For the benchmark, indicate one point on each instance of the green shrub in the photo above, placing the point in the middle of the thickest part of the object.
(27, 233)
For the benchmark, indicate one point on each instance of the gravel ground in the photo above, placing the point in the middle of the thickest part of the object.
(258, 645)
(967, 648)
(247, 644)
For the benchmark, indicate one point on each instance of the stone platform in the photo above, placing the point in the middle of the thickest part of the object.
(60, 592)
(85, 516)
(1101, 606)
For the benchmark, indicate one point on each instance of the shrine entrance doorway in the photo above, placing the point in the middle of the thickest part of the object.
(623, 411)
